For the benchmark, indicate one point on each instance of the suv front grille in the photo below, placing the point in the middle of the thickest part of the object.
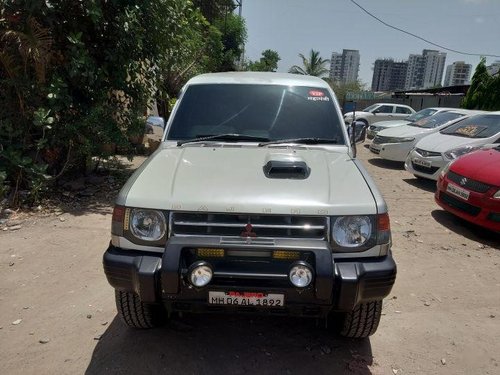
(235, 225)
(467, 183)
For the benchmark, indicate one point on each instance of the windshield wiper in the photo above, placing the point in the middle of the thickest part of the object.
(223, 137)
(305, 141)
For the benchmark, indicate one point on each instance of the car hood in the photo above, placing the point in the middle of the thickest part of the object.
(438, 142)
(480, 165)
(230, 178)
(405, 131)
(390, 124)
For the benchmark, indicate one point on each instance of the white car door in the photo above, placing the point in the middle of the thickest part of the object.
(401, 113)
(383, 113)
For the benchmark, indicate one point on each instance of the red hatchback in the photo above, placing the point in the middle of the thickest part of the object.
(470, 188)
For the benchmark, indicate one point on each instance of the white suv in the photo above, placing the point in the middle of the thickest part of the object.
(253, 202)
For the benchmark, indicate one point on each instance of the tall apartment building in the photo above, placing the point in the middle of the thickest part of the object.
(457, 74)
(425, 70)
(493, 68)
(344, 67)
(389, 75)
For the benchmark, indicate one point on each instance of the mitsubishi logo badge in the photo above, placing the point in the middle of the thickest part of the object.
(248, 231)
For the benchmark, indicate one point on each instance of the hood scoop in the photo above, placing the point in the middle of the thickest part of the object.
(285, 166)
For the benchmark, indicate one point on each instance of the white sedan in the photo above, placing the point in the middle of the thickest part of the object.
(395, 143)
(380, 112)
(420, 115)
(434, 152)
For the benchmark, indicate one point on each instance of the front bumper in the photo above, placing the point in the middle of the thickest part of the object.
(427, 167)
(479, 208)
(338, 285)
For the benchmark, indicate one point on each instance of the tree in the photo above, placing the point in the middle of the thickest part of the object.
(267, 63)
(314, 66)
(341, 89)
(234, 35)
(477, 93)
(76, 76)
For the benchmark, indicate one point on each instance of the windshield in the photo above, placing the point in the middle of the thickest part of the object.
(421, 114)
(370, 108)
(436, 120)
(479, 126)
(262, 112)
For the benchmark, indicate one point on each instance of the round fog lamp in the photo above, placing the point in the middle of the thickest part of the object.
(300, 276)
(200, 275)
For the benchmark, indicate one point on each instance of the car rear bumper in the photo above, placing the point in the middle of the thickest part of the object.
(395, 151)
(338, 285)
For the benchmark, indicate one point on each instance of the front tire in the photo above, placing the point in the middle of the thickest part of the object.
(362, 321)
(137, 314)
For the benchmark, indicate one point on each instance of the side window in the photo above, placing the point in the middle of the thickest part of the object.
(403, 110)
(384, 109)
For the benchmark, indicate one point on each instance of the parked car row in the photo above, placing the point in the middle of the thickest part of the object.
(395, 143)
(459, 149)
(414, 118)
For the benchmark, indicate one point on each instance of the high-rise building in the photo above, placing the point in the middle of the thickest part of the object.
(389, 75)
(493, 68)
(425, 70)
(415, 72)
(433, 67)
(457, 74)
(344, 67)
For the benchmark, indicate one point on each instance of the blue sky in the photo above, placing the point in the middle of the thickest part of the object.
(291, 27)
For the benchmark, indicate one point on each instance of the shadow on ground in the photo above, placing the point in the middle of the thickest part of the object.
(94, 192)
(389, 164)
(422, 183)
(466, 229)
(227, 344)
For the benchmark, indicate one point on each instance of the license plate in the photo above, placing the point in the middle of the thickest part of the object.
(246, 299)
(458, 191)
(422, 163)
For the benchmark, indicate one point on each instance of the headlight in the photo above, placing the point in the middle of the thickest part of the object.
(397, 140)
(497, 195)
(300, 275)
(459, 151)
(147, 225)
(407, 139)
(352, 231)
(200, 274)
(446, 169)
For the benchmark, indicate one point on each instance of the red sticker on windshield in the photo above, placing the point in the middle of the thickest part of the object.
(316, 93)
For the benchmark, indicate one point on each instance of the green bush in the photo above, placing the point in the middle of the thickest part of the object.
(76, 77)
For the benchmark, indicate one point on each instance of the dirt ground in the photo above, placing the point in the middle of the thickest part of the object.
(442, 316)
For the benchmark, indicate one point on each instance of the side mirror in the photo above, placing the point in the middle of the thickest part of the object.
(155, 126)
(360, 131)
